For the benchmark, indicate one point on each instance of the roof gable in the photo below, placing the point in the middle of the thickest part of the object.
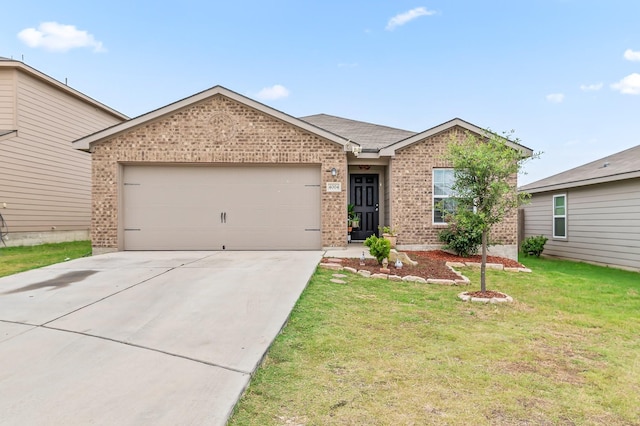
(85, 143)
(456, 122)
(619, 166)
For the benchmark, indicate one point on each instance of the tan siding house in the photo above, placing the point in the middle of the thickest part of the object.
(45, 184)
(590, 213)
(220, 171)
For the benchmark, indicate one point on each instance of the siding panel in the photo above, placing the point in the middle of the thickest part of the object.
(603, 223)
(44, 181)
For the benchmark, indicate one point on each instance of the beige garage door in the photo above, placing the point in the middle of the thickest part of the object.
(221, 208)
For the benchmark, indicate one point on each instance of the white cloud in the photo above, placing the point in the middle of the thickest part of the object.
(57, 37)
(631, 55)
(630, 85)
(591, 87)
(274, 92)
(405, 17)
(556, 98)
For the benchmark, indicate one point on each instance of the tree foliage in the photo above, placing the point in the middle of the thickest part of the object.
(485, 170)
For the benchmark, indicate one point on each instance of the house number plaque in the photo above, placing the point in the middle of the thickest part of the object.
(334, 186)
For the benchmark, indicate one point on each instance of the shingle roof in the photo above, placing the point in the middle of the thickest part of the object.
(372, 137)
(619, 166)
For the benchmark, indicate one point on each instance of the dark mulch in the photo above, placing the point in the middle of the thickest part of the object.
(448, 257)
(431, 264)
(426, 268)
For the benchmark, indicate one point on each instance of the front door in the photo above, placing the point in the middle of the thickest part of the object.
(364, 196)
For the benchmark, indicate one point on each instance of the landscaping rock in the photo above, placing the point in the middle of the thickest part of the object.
(339, 276)
(455, 264)
(395, 278)
(404, 258)
(349, 269)
(410, 278)
(468, 298)
(440, 281)
(333, 260)
(497, 266)
(332, 266)
(337, 281)
(364, 273)
(383, 276)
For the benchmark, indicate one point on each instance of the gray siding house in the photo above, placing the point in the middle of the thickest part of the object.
(590, 213)
(45, 184)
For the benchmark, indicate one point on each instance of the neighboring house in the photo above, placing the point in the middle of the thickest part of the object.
(590, 213)
(220, 171)
(45, 184)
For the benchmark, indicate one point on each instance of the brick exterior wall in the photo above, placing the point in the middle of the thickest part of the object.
(217, 130)
(412, 198)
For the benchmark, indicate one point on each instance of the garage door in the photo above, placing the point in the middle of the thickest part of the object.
(221, 208)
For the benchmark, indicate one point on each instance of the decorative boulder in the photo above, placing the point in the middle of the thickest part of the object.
(395, 255)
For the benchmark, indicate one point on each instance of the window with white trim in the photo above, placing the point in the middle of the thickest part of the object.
(443, 180)
(560, 216)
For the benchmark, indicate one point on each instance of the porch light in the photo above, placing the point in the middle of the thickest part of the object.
(334, 171)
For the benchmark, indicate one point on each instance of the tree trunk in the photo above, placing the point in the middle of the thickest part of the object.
(483, 265)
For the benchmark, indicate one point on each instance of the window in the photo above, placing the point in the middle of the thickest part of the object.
(560, 216)
(443, 180)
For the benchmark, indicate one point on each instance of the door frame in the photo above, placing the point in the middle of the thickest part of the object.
(352, 176)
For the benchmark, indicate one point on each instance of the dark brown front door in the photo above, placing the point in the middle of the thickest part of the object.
(364, 196)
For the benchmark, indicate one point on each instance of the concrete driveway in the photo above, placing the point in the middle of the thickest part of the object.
(141, 337)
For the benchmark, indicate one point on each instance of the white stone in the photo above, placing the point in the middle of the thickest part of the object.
(440, 281)
(364, 273)
(332, 266)
(350, 269)
(337, 281)
(383, 276)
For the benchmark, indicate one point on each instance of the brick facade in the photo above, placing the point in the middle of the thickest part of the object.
(216, 130)
(412, 198)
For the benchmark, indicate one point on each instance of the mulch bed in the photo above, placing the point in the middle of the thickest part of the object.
(431, 264)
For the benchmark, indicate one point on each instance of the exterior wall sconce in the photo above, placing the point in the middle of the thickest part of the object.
(334, 172)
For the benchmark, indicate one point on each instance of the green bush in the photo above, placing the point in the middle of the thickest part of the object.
(534, 245)
(378, 247)
(463, 235)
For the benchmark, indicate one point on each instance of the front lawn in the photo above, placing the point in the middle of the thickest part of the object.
(379, 352)
(18, 259)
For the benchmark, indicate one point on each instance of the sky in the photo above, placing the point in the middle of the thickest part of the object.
(564, 75)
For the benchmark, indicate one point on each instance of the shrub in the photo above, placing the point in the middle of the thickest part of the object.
(378, 247)
(463, 235)
(534, 245)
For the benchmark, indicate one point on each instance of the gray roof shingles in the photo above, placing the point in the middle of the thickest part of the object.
(619, 166)
(372, 137)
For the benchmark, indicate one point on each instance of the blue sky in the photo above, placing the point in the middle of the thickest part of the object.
(564, 74)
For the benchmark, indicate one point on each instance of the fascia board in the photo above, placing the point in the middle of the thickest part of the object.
(583, 182)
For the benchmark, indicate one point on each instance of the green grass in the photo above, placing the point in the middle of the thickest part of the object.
(18, 259)
(376, 352)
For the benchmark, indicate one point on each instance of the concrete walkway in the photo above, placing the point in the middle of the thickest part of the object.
(141, 337)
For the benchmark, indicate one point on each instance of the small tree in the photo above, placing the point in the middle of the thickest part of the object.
(484, 168)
